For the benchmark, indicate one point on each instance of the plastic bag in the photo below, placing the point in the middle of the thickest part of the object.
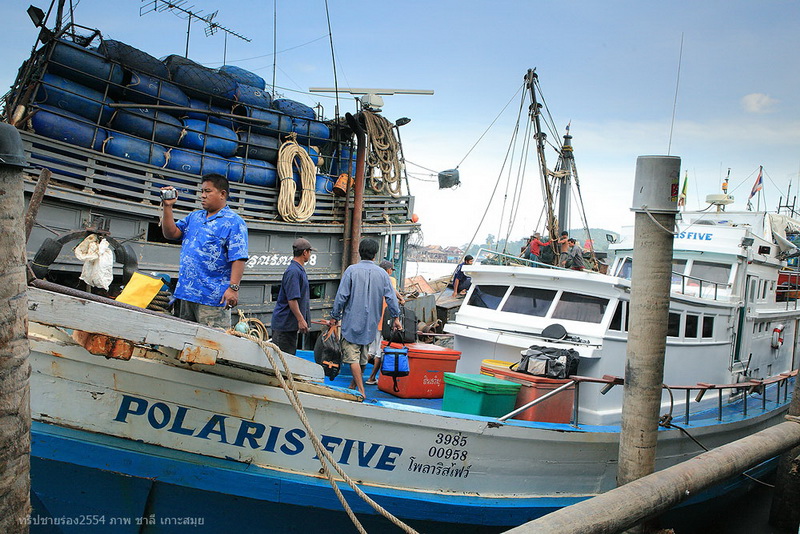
(140, 290)
(328, 352)
(98, 261)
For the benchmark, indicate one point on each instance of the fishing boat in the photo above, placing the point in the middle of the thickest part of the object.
(113, 124)
(145, 422)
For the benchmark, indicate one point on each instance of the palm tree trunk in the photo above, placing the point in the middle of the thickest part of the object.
(15, 410)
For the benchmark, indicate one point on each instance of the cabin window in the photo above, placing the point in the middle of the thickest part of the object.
(690, 328)
(674, 325)
(529, 301)
(753, 289)
(678, 268)
(713, 272)
(763, 289)
(621, 315)
(708, 326)
(487, 296)
(574, 307)
(625, 268)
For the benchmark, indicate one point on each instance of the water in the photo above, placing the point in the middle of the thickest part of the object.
(429, 270)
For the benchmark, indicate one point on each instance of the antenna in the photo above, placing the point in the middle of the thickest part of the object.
(180, 8)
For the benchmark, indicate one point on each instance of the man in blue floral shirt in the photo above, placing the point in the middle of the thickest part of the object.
(213, 254)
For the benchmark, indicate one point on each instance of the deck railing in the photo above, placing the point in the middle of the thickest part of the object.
(695, 286)
(752, 386)
(492, 257)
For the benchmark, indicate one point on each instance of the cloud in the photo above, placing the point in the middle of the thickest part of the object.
(758, 103)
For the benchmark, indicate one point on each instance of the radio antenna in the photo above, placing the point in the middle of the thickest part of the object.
(181, 9)
(675, 102)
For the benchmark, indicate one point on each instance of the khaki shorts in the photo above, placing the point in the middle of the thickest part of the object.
(213, 316)
(352, 353)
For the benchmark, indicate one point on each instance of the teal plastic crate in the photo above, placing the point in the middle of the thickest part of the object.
(478, 394)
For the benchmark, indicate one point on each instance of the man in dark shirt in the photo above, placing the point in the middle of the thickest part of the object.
(461, 281)
(292, 308)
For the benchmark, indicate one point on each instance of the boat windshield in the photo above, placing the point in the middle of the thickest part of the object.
(487, 296)
(575, 307)
(529, 301)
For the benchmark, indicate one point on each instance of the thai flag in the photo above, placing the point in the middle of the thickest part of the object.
(758, 185)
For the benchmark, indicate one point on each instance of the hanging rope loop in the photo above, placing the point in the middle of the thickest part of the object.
(289, 152)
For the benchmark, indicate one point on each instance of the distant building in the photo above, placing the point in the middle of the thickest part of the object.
(435, 254)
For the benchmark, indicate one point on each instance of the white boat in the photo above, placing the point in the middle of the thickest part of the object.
(160, 439)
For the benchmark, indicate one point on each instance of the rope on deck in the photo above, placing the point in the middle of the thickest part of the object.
(322, 453)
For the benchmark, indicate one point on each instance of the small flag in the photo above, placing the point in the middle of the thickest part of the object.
(568, 125)
(682, 198)
(758, 185)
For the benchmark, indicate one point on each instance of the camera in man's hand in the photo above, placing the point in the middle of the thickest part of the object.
(169, 194)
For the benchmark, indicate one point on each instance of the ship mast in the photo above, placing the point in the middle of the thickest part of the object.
(531, 79)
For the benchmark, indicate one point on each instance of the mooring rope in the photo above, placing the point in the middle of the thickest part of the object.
(322, 453)
(383, 154)
(287, 154)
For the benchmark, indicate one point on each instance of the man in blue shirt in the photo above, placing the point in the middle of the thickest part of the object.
(213, 254)
(292, 308)
(358, 304)
(461, 281)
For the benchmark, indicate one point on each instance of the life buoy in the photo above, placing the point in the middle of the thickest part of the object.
(777, 336)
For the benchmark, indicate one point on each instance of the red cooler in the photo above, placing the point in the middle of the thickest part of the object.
(556, 409)
(427, 365)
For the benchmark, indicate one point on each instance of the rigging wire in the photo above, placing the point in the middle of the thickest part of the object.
(490, 126)
(274, 42)
(333, 60)
(494, 190)
(675, 101)
(514, 138)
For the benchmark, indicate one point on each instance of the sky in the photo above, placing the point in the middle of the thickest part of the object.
(609, 69)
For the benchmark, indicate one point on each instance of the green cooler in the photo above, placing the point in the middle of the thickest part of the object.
(478, 394)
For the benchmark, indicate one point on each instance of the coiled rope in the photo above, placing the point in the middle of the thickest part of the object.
(287, 154)
(383, 154)
(322, 453)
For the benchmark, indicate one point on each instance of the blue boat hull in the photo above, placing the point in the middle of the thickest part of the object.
(98, 482)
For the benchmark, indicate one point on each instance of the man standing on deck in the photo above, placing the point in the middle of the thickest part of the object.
(461, 281)
(213, 254)
(358, 305)
(292, 308)
(563, 243)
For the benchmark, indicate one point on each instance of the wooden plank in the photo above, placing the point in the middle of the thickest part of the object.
(66, 311)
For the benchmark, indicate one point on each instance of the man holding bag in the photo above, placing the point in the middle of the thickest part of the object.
(358, 305)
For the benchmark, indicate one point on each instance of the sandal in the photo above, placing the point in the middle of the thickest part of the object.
(372, 382)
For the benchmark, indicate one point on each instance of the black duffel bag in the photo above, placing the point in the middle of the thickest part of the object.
(408, 334)
(549, 362)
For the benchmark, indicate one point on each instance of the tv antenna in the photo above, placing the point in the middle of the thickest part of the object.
(181, 9)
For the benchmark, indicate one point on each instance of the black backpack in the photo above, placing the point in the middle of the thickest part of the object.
(409, 332)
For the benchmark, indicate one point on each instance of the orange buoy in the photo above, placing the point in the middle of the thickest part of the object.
(414, 217)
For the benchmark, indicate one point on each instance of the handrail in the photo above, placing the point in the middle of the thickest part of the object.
(701, 281)
(757, 386)
(482, 257)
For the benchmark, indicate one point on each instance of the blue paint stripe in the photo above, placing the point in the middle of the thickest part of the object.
(136, 459)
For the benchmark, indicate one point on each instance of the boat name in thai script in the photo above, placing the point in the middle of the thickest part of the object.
(250, 434)
(695, 236)
(439, 469)
(274, 260)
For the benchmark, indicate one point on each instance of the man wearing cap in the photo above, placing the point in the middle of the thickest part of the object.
(292, 308)
(358, 304)
(536, 245)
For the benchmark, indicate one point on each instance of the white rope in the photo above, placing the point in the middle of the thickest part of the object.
(287, 154)
(322, 453)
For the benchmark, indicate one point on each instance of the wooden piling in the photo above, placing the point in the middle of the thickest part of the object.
(15, 411)
(785, 510)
